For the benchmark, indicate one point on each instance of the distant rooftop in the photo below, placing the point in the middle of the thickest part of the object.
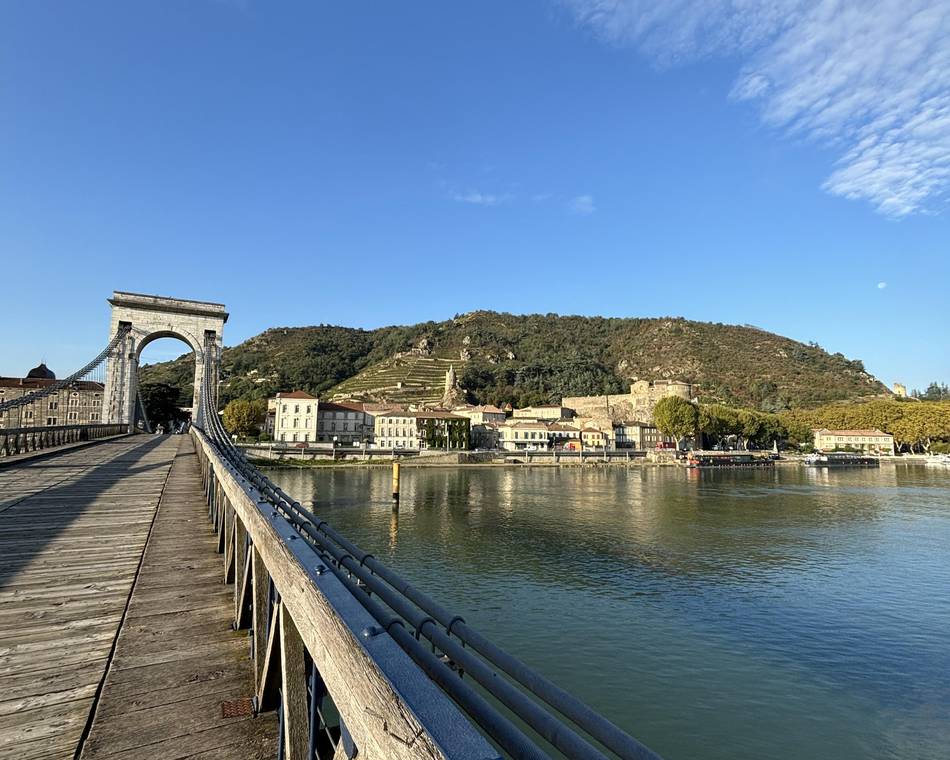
(297, 394)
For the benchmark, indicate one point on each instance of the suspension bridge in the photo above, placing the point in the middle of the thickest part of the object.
(160, 597)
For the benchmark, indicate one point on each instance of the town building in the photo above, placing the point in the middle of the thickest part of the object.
(542, 413)
(344, 423)
(871, 441)
(295, 417)
(480, 415)
(639, 435)
(78, 404)
(594, 438)
(424, 429)
(269, 418)
(563, 435)
(519, 434)
(900, 390)
(486, 435)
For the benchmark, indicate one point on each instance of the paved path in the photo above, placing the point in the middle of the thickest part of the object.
(151, 668)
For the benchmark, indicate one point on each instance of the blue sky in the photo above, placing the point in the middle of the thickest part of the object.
(370, 164)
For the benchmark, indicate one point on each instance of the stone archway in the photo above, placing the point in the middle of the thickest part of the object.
(150, 318)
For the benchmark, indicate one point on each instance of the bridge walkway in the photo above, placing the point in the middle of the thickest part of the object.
(90, 570)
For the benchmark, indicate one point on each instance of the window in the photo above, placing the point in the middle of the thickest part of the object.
(294, 438)
(72, 415)
(306, 437)
(283, 408)
(308, 408)
(53, 405)
(50, 420)
(296, 408)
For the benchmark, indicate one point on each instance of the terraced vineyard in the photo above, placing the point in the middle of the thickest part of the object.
(402, 379)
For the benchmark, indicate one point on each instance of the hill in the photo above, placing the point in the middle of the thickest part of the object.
(534, 359)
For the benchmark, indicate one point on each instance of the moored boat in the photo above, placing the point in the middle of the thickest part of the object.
(840, 459)
(727, 459)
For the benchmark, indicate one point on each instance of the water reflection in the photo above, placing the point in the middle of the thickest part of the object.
(782, 613)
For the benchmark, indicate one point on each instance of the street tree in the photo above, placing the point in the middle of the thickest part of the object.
(676, 417)
(243, 417)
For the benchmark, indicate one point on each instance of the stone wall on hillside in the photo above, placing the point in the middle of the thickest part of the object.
(635, 406)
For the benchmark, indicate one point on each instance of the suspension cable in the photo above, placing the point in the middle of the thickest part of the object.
(437, 625)
(59, 385)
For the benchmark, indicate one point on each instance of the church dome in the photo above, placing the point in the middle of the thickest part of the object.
(41, 372)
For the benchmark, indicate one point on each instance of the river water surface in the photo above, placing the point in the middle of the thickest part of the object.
(745, 614)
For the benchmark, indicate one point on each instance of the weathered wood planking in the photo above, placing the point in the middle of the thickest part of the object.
(72, 530)
(177, 658)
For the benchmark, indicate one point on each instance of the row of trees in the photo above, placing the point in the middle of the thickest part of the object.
(935, 392)
(917, 427)
(716, 423)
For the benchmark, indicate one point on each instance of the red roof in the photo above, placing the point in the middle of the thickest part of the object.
(332, 406)
(297, 394)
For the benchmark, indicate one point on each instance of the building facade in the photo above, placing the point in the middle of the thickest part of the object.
(422, 430)
(870, 441)
(344, 424)
(563, 435)
(295, 417)
(481, 415)
(79, 404)
(520, 434)
(638, 435)
(595, 438)
(544, 413)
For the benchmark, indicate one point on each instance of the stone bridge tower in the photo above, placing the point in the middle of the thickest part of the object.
(150, 318)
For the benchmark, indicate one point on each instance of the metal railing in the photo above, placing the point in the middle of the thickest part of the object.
(23, 440)
(521, 711)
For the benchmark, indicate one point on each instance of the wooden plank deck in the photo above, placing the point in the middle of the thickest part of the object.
(72, 531)
(177, 659)
(73, 528)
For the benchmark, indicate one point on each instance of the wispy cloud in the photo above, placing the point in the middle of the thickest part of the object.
(583, 205)
(870, 78)
(480, 199)
(881, 285)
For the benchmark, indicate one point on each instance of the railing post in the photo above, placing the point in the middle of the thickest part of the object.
(293, 689)
(228, 539)
(261, 591)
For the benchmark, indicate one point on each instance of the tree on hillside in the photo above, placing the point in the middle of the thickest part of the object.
(244, 417)
(161, 401)
(935, 392)
(676, 417)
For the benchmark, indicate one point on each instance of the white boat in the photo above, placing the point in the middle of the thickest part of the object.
(939, 460)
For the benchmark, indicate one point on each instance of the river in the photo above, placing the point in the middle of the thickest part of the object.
(792, 613)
